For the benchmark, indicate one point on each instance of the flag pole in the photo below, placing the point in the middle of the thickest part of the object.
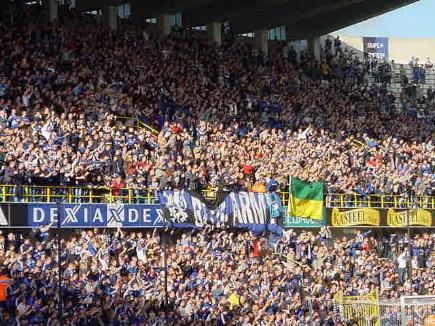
(289, 196)
(59, 262)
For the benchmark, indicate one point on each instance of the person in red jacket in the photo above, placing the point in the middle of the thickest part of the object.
(5, 282)
(117, 185)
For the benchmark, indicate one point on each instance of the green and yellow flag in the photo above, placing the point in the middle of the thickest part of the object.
(306, 199)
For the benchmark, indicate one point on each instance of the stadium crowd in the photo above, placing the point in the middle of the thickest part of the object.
(226, 116)
(70, 102)
(213, 277)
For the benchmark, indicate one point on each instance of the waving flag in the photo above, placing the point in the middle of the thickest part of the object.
(306, 199)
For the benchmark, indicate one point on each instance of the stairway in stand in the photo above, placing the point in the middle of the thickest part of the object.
(396, 87)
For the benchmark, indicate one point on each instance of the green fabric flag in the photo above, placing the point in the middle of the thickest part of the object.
(306, 199)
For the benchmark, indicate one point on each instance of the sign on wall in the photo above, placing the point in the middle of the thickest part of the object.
(376, 47)
(191, 209)
(348, 217)
(415, 217)
(293, 221)
(246, 210)
(94, 215)
(353, 217)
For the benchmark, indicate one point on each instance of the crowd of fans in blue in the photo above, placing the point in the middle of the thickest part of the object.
(226, 116)
(218, 277)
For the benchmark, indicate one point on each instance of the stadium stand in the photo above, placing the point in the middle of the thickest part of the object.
(231, 119)
(214, 277)
(88, 115)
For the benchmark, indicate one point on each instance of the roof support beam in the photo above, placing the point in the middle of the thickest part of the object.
(327, 23)
(288, 12)
(153, 8)
(225, 9)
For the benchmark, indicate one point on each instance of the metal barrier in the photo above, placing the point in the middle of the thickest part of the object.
(67, 195)
(414, 310)
(360, 310)
(379, 201)
(367, 310)
(59, 194)
(140, 125)
(417, 310)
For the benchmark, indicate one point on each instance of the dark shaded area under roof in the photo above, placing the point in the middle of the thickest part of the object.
(303, 18)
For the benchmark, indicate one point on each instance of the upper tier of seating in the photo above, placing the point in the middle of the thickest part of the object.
(226, 116)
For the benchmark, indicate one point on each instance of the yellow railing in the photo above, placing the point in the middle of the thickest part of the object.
(361, 310)
(379, 201)
(139, 124)
(56, 194)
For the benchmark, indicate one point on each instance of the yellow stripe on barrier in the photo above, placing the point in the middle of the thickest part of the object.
(140, 124)
(10, 194)
(361, 310)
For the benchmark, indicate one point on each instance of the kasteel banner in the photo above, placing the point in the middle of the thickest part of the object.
(376, 47)
(360, 216)
(417, 217)
(348, 217)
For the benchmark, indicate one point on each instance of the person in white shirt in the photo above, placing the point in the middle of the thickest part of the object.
(402, 265)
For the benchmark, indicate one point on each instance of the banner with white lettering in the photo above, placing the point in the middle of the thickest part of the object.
(254, 208)
(4, 215)
(191, 209)
(253, 211)
(235, 209)
(376, 47)
(94, 215)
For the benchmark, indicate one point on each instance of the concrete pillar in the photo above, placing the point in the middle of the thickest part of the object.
(110, 17)
(113, 18)
(51, 9)
(214, 33)
(137, 10)
(261, 41)
(164, 24)
(315, 48)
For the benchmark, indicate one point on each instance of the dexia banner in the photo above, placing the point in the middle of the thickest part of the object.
(94, 215)
(376, 47)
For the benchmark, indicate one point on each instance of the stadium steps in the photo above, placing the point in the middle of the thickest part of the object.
(395, 87)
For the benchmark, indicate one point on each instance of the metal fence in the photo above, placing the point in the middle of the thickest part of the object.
(359, 310)
(417, 310)
(61, 194)
(406, 311)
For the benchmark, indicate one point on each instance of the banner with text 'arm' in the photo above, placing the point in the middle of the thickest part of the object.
(228, 209)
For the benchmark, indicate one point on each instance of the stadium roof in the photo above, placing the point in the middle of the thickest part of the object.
(304, 18)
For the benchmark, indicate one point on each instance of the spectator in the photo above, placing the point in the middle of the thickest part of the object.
(214, 277)
(225, 117)
(403, 261)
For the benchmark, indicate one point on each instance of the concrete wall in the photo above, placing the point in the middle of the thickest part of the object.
(302, 45)
(354, 44)
(401, 50)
